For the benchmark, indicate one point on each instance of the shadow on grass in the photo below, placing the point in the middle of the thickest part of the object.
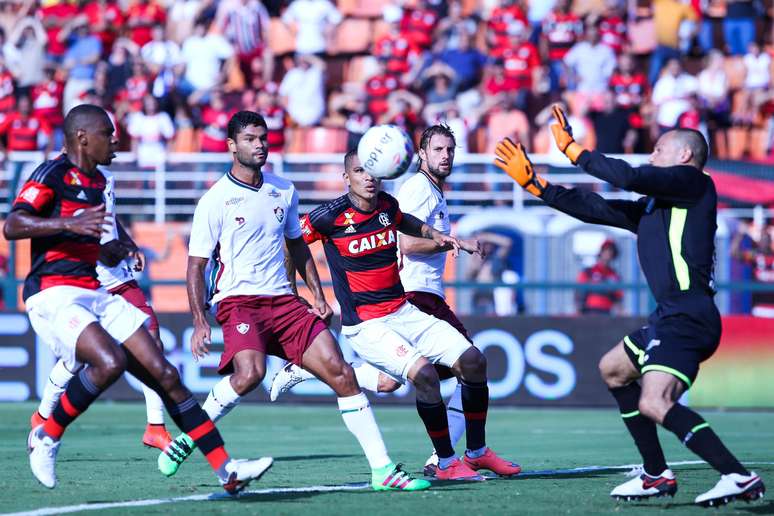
(293, 458)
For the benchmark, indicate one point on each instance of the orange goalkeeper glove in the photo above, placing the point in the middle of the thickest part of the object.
(563, 135)
(513, 160)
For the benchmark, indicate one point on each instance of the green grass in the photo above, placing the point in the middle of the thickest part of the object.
(101, 460)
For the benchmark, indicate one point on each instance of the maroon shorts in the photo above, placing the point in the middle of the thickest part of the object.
(275, 325)
(132, 292)
(436, 306)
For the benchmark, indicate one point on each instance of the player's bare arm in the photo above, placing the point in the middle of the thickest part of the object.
(133, 249)
(304, 263)
(194, 280)
(412, 245)
(413, 227)
(20, 224)
(290, 270)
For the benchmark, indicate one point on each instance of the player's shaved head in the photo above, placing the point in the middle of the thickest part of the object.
(85, 117)
(693, 140)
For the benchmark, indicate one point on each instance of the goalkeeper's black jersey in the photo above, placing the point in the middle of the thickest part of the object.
(675, 222)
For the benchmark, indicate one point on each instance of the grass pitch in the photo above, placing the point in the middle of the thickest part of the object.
(102, 461)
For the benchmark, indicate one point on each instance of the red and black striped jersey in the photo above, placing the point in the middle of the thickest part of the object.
(58, 188)
(361, 248)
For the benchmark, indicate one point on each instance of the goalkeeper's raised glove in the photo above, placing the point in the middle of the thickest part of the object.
(513, 160)
(563, 135)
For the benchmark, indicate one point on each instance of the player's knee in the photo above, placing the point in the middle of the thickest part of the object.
(472, 365)
(169, 379)
(109, 367)
(427, 383)
(343, 377)
(248, 379)
(610, 372)
(387, 384)
(653, 407)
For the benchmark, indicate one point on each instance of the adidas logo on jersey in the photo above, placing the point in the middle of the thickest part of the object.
(82, 195)
(350, 229)
(371, 242)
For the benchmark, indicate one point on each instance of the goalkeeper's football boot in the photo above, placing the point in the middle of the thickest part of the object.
(175, 453)
(393, 478)
(457, 470)
(242, 472)
(42, 450)
(287, 378)
(156, 436)
(489, 460)
(733, 487)
(36, 419)
(646, 486)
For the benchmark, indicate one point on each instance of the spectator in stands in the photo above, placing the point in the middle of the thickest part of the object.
(11, 13)
(602, 272)
(313, 22)
(404, 110)
(215, 115)
(7, 90)
(302, 90)
(537, 12)
(612, 26)
(394, 49)
(582, 127)
(25, 53)
(493, 267)
(141, 17)
(24, 131)
(271, 109)
(756, 83)
(590, 64)
(714, 99)
(150, 130)
(466, 61)
(418, 24)
(246, 25)
(672, 95)
(455, 26)
(506, 19)
(181, 17)
(352, 114)
(561, 30)
(205, 55)
(107, 20)
(54, 15)
(739, 25)
(521, 66)
(47, 102)
(630, 89)
(668, 15)
(440, 84)
(612, 126)
(761, 258)
(136, 89)
(80, 59)
(119, 65)
(161, 55)
(377, 88)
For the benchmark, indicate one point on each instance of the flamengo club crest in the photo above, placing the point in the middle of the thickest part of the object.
(279, 213)
(242, 328)
(384, 219)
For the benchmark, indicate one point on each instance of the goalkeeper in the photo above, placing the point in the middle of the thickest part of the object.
(675, 224)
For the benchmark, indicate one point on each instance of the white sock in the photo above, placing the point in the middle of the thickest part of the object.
(359, 418)
(154, 407)
(456, 416)
(221, 400)
(303, 373)
(57, 382)
(367, 376)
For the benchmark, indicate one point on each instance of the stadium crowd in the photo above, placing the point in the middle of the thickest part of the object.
(172, 71)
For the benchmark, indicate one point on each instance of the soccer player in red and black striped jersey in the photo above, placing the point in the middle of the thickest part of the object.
(61, 209)
(359, 234)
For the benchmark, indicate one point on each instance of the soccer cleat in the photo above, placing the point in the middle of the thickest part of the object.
(431, 465)
(733, 487)
(156, 436)
(489, 460)
(42, 451)
(175, 454)
(242, 472)
(457, 470)
(393, 478)
(287, 378)
(36, 419)
(646, 486)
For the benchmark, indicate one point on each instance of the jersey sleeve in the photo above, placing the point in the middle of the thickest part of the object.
(395, 208)
(292, 225)
(317, 224)
(36, 195)
(205, 229)
(415, 201)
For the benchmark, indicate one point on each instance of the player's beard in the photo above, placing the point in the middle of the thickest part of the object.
(248, 161)
(436, 172)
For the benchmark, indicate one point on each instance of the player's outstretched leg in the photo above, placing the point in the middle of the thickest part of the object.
(107, 362)
(470, 369)
(659, 392)
(655, 479)
(57, 382)
(323, 359)
(147, 362)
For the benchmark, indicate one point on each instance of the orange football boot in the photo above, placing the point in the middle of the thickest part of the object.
(156, 436)
(493, 463)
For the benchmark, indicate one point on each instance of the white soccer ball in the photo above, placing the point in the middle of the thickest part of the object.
(385, 151)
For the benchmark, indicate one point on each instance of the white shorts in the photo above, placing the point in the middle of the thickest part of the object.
(59, 315)
(393, 343)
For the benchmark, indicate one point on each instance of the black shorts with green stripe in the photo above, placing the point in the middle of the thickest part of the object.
(681, 334)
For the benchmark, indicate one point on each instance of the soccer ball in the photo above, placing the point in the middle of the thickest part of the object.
(385, 151)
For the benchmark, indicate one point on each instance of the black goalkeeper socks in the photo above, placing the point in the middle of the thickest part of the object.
(642, 429)
(437, 425)
(697, 435)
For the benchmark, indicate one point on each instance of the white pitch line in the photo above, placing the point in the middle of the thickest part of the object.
(45, 511)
